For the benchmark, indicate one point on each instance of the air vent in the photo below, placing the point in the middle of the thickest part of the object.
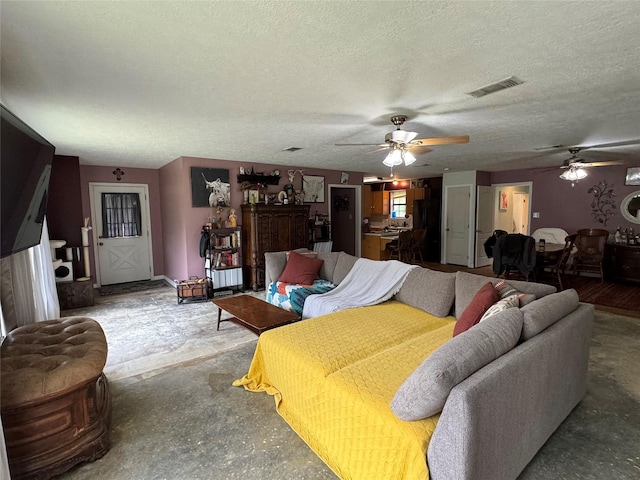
(292, 149)
(496, 87)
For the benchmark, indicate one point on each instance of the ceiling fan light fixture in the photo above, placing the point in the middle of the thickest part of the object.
(573, 174)
(394, 158)
(400, 136)
(408, 158)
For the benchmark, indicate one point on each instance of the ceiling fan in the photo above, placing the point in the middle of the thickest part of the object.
(576, 162)
(403, 143)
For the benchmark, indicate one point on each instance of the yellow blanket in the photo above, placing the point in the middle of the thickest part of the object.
(333, 378)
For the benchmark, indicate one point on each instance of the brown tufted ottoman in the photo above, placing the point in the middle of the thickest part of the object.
(55, 400)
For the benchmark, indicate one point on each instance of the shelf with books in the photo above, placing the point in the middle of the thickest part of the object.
(223, 259)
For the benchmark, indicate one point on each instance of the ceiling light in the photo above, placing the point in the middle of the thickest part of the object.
(573, 174)
(394, 158)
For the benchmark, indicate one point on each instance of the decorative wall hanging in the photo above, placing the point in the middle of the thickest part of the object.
(633, 176)
(603, 206)
(344, 178)
(313, 187)
(210, 187)
(504, 200)
(118, 173)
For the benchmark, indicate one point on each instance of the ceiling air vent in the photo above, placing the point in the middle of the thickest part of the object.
(292, 149)
(496, 87)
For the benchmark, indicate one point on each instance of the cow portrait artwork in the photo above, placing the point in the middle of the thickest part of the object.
(210, 187)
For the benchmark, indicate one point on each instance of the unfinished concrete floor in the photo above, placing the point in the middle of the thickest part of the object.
(182, 419)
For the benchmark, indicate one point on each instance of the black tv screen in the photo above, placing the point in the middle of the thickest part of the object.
(25, 168)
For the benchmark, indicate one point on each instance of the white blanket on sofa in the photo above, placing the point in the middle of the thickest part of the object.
(368, 283)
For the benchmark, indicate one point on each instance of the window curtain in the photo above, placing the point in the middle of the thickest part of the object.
(29, 290)
(121, 215)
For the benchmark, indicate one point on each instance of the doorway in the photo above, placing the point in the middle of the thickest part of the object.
(345, 218)
(456, 227)
(122, 244)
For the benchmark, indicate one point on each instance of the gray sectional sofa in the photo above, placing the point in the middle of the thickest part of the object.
(497, 418)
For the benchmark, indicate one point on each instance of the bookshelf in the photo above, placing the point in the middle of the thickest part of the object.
(223, 260)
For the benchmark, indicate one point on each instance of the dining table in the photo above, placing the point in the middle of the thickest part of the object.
(547, 254)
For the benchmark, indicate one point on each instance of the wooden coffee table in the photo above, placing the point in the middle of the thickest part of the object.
(252, 313)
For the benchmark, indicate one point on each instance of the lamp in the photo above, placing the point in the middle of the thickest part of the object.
(573, 174)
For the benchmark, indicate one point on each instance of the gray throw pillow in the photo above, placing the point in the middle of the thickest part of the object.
(546, 311)
(429, 290)
(425, 391)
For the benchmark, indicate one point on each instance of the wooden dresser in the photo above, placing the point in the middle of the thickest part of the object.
(622, 262)
(270, 228)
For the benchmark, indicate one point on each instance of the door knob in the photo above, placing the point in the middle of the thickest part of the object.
(100, 243)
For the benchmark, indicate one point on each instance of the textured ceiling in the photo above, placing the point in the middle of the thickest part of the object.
(139, 84)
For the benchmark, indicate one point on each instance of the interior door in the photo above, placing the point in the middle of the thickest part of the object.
(485, 220)
(457, 225)
(521, 212)
(123, 251)
(343, 206)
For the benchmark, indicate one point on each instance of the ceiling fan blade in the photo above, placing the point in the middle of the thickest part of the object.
(419, 150)
(440, 140)
(602, 164)
(360, 144)
(379, 149)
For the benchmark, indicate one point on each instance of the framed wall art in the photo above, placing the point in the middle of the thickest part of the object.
(503, 199)
(313, 187)
(210, 187)
(633, 176)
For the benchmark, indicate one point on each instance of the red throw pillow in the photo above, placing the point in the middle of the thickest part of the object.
(300, 269)
(481, 302)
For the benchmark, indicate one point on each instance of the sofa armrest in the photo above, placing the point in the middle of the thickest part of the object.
(274, 263)
(495, 421)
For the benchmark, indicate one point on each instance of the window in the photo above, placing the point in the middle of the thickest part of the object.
(398, 203)
(121, 215)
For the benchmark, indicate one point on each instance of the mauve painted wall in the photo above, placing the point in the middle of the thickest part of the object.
(145, 176)
(569, 208)
(182, 223)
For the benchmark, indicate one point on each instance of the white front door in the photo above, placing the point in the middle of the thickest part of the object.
(486, 206)
(457, 225)
(121, 232)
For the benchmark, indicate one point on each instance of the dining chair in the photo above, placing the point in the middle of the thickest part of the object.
(402, 248)
(590, 244)
(417, 243)
(561, 265)
(514, 255)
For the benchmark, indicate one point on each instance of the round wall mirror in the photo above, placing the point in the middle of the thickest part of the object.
(630, 207)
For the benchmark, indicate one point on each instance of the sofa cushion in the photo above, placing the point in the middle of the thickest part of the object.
(482, 300)
(329, 265)
(425, 391)
(429, 290)
(343, 267)
(467, 284)
(546, 311)
(501, 305)
(507, 290)
(300, 269)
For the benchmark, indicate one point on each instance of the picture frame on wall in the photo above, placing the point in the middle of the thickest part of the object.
(633, 176)
(254, 196)
(344, 178)
(210, 187)
(313, 187)
(503, 201)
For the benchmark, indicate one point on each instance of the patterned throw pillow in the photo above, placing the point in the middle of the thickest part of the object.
(505, 290)
(501, 305)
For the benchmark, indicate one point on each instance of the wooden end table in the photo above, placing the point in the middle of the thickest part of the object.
(252, 313)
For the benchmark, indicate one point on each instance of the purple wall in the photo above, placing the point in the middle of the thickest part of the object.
(182, 223)
(569, 208)
(132, 175)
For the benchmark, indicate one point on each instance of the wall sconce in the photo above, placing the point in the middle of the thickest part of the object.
(118, 173)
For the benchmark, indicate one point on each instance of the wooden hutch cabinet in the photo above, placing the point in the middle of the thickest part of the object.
(622, 262)
(270, 228)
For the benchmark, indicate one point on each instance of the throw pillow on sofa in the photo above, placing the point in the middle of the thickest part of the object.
(501, 305)
(300, 269)
(506, 290)
(425, 391)
(483, 299)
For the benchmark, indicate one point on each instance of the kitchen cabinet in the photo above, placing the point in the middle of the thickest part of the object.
(380, 203)
(373, 246)
(270, 228)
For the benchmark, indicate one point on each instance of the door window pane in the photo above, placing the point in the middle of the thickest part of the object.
(121, 215)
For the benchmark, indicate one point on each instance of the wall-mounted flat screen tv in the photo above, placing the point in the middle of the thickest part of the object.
(25, 168)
